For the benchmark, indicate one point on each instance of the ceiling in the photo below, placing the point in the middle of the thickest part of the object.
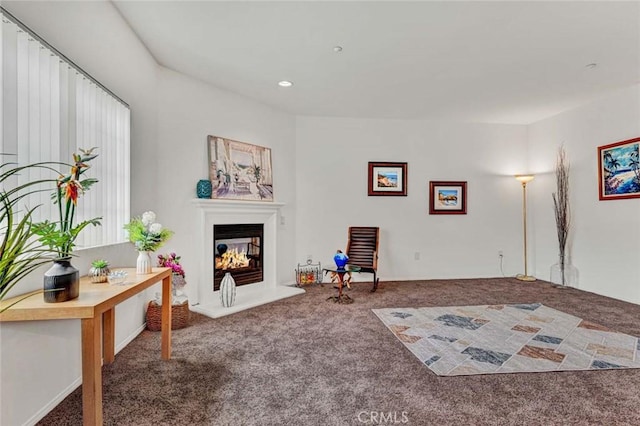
(499, 62)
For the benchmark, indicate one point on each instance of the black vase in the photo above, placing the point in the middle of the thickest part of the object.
(61, 281)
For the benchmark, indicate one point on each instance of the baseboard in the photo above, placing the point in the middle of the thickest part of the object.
(130, 338)
(53, 403)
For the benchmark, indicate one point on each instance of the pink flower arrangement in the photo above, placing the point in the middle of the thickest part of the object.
(172, 261)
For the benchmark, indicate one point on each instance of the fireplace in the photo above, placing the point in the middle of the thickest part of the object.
(238, 250)
(211, 213)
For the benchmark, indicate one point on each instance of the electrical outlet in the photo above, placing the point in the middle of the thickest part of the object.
(309, 258)
(500, 253)
(416, 255)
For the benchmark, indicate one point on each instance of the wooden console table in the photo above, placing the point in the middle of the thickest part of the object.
(95, 307)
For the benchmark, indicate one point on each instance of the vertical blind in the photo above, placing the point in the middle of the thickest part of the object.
(50, 109)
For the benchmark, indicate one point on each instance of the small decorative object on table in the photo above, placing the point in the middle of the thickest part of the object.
(227, 290)
(340, 259)
(62, 280)
(117, 277)
(99, 271)
(308, 273)
(204, 188)
(148, 236)
(179, 302)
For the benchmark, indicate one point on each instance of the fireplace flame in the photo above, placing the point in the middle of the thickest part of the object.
(232, 259)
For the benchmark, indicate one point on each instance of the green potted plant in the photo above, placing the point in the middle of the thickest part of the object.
(99, 271)
(62, 280)
(20, 252)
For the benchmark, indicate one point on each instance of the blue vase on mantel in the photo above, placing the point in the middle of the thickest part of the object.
(340, 259)
(204, 188)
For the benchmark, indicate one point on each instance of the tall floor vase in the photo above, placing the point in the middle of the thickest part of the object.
(61, 281)
(227, 290)
(564, 274)
(143, 263)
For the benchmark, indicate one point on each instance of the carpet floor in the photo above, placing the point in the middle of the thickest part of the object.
(308, 361)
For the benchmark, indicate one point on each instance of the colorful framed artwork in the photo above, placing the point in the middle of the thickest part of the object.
(239, 170)
(387, 178)
(446, 197)
(619, 170)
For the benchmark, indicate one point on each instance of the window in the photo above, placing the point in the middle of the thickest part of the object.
(50, 109)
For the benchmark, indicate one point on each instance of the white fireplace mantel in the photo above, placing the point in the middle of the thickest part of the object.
(216, 206)
(224, 212)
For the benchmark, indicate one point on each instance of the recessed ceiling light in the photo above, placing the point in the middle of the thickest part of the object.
(591, 66)
(285, 83)
(337, 49)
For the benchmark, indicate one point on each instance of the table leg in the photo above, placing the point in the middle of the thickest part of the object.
(347, 281)
(340, 283)
(91, 371)
(166, 318)
(109, 335)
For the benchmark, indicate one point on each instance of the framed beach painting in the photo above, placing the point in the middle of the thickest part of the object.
(239, 170)
(387, 178)
(447, 197)
(619, 170)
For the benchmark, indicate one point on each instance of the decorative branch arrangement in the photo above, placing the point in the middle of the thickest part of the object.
(561, 207)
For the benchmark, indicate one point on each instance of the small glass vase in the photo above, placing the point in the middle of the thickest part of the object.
(564, 277)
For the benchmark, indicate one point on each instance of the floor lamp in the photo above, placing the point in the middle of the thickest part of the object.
(524, 179)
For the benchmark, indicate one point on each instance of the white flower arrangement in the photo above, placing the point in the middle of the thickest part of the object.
(146, 233)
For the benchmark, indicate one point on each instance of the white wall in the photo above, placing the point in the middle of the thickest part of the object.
(604, 241)
(171, 117)
(332, 158)
(94, 36)
(189, 111)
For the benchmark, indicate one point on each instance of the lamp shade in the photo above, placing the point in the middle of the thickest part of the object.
(525, 178)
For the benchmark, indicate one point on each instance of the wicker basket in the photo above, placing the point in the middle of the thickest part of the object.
(179, 316)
